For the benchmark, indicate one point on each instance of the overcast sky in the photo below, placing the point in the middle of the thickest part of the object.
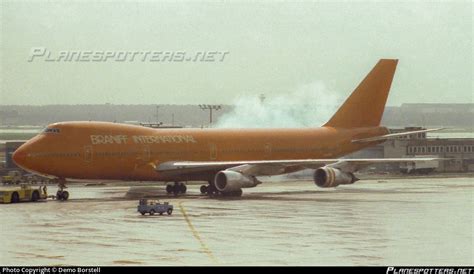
(273, 48)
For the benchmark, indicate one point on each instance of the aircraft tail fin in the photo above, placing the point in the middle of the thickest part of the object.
(365, 106)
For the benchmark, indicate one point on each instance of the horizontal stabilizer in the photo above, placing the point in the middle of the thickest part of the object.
(392, 135)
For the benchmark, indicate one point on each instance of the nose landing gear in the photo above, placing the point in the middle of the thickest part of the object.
(61, 194)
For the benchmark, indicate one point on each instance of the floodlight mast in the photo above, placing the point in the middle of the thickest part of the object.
(210, 108)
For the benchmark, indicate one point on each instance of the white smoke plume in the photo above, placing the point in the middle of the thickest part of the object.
(310, 105)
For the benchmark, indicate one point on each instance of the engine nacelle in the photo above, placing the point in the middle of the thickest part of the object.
(229, 181)
(332, 177)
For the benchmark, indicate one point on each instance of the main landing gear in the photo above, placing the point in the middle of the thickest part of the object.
(211, 190)
(61, 194)
(237, 193)
(176, 188)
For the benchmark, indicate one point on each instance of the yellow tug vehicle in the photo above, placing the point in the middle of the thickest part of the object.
(22, 193)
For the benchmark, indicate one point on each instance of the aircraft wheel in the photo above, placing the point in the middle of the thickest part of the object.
(182, 188)
(204, 189)
(212, 190)
(59, 195)
(169, 189)
(65, 195)
(179, 188)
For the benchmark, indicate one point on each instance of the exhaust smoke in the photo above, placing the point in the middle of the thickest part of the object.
(310, 105)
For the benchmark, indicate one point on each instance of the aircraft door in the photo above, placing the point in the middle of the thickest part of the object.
(267, 150)
(146, 153)
(87, 154)
(213, 151)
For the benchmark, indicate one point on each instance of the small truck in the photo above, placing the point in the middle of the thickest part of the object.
(154, 206)
(22, 193)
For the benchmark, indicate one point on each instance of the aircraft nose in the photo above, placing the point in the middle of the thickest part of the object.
(20, 155)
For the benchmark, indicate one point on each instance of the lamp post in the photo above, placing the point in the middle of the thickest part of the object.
(210, 108)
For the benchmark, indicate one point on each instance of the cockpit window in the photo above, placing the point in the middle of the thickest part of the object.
(51, 130)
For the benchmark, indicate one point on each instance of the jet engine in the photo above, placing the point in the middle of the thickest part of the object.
(232, 181)
(332, 177)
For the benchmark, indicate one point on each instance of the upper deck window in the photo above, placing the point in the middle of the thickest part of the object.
(51, 130)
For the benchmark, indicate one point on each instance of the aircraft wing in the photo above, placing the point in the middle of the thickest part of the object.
(275, 167)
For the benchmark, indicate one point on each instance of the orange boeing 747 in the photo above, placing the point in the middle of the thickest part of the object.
(228, 159)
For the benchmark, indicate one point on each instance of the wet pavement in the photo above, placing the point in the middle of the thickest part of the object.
(387, 222)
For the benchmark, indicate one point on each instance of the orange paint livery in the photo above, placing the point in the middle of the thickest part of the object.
(76, 157)
(100, 150)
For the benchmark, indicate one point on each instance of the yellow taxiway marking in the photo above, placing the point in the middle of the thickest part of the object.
(196, 234)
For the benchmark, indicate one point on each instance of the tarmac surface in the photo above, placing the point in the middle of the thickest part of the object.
(425, 221)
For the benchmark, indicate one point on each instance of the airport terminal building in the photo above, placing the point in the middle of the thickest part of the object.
(460, 151)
